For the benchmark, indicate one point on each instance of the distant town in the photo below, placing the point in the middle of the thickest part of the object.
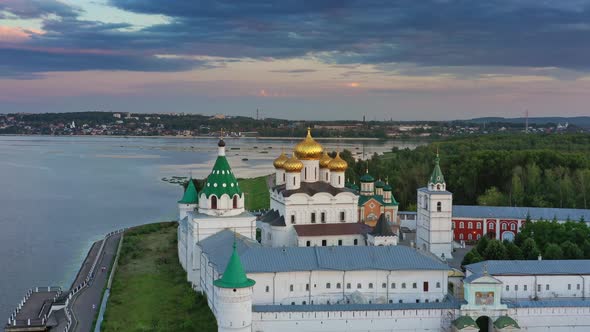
(191, 125)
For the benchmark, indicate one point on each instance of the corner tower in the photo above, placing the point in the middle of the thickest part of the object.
(233, 297)
(434, 208)
(189, 201)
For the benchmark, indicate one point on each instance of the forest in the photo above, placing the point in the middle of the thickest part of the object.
(547, 170)
(548, 239)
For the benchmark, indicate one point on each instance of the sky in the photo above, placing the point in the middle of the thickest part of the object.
(298, 59)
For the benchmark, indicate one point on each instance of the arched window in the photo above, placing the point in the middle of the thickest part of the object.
(371, 285)
(438, 187)
(461, 225)
(503, 227)
(235, 201)
(469, 236)
(339, 180)
(438, 206)
(513, 227)
(305, 173)
(478, 236)
(284, 177)
(491, 225)
(327, 176)
(460, 236)
(214, 202)
(469, 225)
(293, 180)
(477, 225)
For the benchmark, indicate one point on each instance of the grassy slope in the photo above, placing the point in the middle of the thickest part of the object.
(256, 190)
(150, 291)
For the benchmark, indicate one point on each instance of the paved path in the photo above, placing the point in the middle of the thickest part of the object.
(82, 304)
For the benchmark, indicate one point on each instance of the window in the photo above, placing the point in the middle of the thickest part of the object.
(342, 216)
(327, 176)
(235, 201)
(417, 300)
(516, 288)
(324, 243)
(370, 285)
(524, 287)
(504, 227)
(469, 236)
(538, 288)
(348, 285)
(305, 173)
(491, 225)
(438, 206)
(307, 287)
(569, 286)
(359, 286)
(339, 180)
(470, 225)
(404, 285)
(513, 227)
(454, 225)
(293, 181)
(291, 288)
(214, 202)
(384, 285)
(393, 285)
(356, 242)
(507, 288)
(267, 289)
(292, 218)
(308, 243)
(338, 285)
(401, 301)
(304, 303)
(578, 286)
(478, 236)
(323, 217)
(478, 225)
(339, 242)
(313, 217)
(292, 303)
(328, 286)
(461, 225)
(425, 286)
(414, 285)
(284, 177)
(438, 284)
(547, 287)
(460, 236)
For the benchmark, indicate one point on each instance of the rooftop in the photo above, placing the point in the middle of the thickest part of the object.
(258, 259)
(532, 267)
(510, 212)
(331, 229)
(311, 189)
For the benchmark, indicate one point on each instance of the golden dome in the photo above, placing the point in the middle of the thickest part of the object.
(280, 161)
(293, 165)
(325, 160)
(308, 149)
(338, 164)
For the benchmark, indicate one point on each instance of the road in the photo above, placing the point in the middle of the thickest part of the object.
(86, 303)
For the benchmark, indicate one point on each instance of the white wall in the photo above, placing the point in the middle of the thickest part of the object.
(331, 240)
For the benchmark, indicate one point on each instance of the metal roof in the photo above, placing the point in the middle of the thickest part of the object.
(447, 303)
(562, 302)
(258, 259)
(434, 192)
(532, 267)
(511, 212)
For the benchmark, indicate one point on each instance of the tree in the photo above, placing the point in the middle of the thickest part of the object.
(482, 244)
(517, 189)
(553, 251)
(472, 257)
(529, 249)
(514, 252)
(495, 251)
(571, 250)
(492, 197)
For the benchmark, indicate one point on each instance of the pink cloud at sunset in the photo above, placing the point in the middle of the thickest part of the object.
(16, 35)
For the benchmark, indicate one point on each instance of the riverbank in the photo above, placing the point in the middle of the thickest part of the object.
(149, 290)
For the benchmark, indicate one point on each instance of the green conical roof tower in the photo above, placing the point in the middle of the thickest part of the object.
(234, 275)
(221, 180)
(437, 175)
(191, 196)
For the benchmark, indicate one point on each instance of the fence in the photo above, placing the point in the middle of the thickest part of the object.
(12, 321)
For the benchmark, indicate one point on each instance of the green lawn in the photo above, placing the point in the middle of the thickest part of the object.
(256, 191)
(150, 291)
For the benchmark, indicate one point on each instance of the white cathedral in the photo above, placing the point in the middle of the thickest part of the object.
(317, 268)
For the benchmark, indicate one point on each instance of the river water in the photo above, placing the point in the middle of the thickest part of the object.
(60, 194)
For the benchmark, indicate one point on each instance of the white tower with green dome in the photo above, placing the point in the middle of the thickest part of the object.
(434, 207)
(233, 297)
(189, 201)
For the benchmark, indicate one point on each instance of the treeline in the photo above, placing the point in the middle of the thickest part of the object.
(550, 170)
(548, 239)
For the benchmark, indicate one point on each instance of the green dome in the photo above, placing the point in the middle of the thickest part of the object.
(463, 322)
(367, 178)
(234, 275)
(436, 176)
(387, 187)
(221, 180)
(190, 194)
(505, 321)
(379, 184)
(354, 187)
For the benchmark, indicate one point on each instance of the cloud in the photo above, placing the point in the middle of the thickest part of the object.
(293, 71)
(448, 35)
